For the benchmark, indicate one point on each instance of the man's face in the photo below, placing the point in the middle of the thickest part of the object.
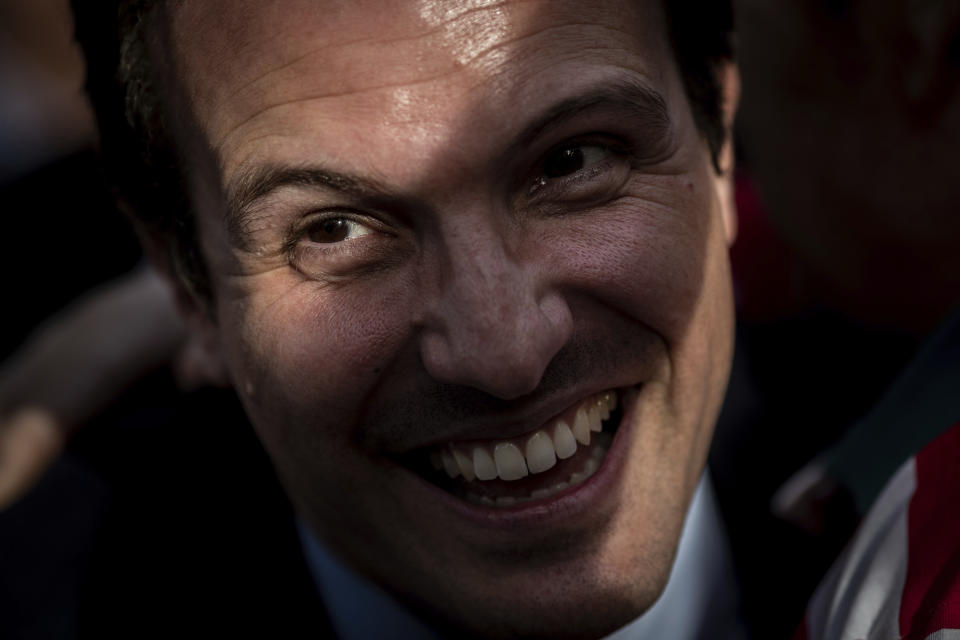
(437, 230)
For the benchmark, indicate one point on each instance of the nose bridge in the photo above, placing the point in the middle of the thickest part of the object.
(491, 297)
(496, 323)
(481, 268)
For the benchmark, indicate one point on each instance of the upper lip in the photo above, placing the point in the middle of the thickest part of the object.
(525, 420)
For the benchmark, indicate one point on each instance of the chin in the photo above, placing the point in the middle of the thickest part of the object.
(578, 563)
(583, 609)
(585, 586)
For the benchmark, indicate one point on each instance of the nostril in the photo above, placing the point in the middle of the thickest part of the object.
(505, 369)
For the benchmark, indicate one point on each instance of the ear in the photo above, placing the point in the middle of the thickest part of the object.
(200, 360)
(730, 86)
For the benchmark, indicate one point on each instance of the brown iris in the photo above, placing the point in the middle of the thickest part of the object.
(331, 230)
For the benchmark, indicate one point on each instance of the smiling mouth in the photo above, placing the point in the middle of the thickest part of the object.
(563, 454)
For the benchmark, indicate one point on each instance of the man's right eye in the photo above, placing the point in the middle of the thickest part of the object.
(336, 244)
(336, 229)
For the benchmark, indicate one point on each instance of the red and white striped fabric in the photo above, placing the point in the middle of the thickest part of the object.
(899, 577)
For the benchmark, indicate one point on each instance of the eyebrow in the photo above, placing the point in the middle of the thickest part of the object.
(636, 100)
(630, 96)
(251, 186)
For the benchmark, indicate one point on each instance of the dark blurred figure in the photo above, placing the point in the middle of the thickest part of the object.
(63, 232)
(847, 262)
(62, 237)
(43, 115)
(850, 125)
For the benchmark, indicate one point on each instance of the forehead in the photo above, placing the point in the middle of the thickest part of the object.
(284, 79)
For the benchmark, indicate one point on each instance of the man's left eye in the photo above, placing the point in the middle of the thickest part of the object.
(572, 158)
(581, 172)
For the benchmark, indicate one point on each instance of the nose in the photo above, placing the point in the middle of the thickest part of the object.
(495, 323)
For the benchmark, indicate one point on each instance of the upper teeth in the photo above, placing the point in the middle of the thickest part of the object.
(514, 459)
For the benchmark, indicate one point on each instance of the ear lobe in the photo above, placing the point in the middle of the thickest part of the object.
(728, 207)
(200, 359)
(730, 84)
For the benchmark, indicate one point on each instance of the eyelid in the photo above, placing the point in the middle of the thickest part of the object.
(385, 247)
(298, 230)
(541, 188)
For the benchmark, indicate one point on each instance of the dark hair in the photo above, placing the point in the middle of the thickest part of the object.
(142, 161)
(702, 35)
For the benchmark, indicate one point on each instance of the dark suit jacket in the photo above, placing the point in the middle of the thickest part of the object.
(180, 530)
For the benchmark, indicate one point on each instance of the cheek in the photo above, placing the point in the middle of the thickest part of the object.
(312, 350)
(645, 257)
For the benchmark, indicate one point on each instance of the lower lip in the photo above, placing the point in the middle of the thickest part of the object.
(586, 496)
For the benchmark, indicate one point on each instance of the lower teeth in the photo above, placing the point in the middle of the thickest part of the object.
(590, 466)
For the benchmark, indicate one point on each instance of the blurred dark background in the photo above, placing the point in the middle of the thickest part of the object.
(61, 232)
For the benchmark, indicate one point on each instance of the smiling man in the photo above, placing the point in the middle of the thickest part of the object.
(465, 265)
